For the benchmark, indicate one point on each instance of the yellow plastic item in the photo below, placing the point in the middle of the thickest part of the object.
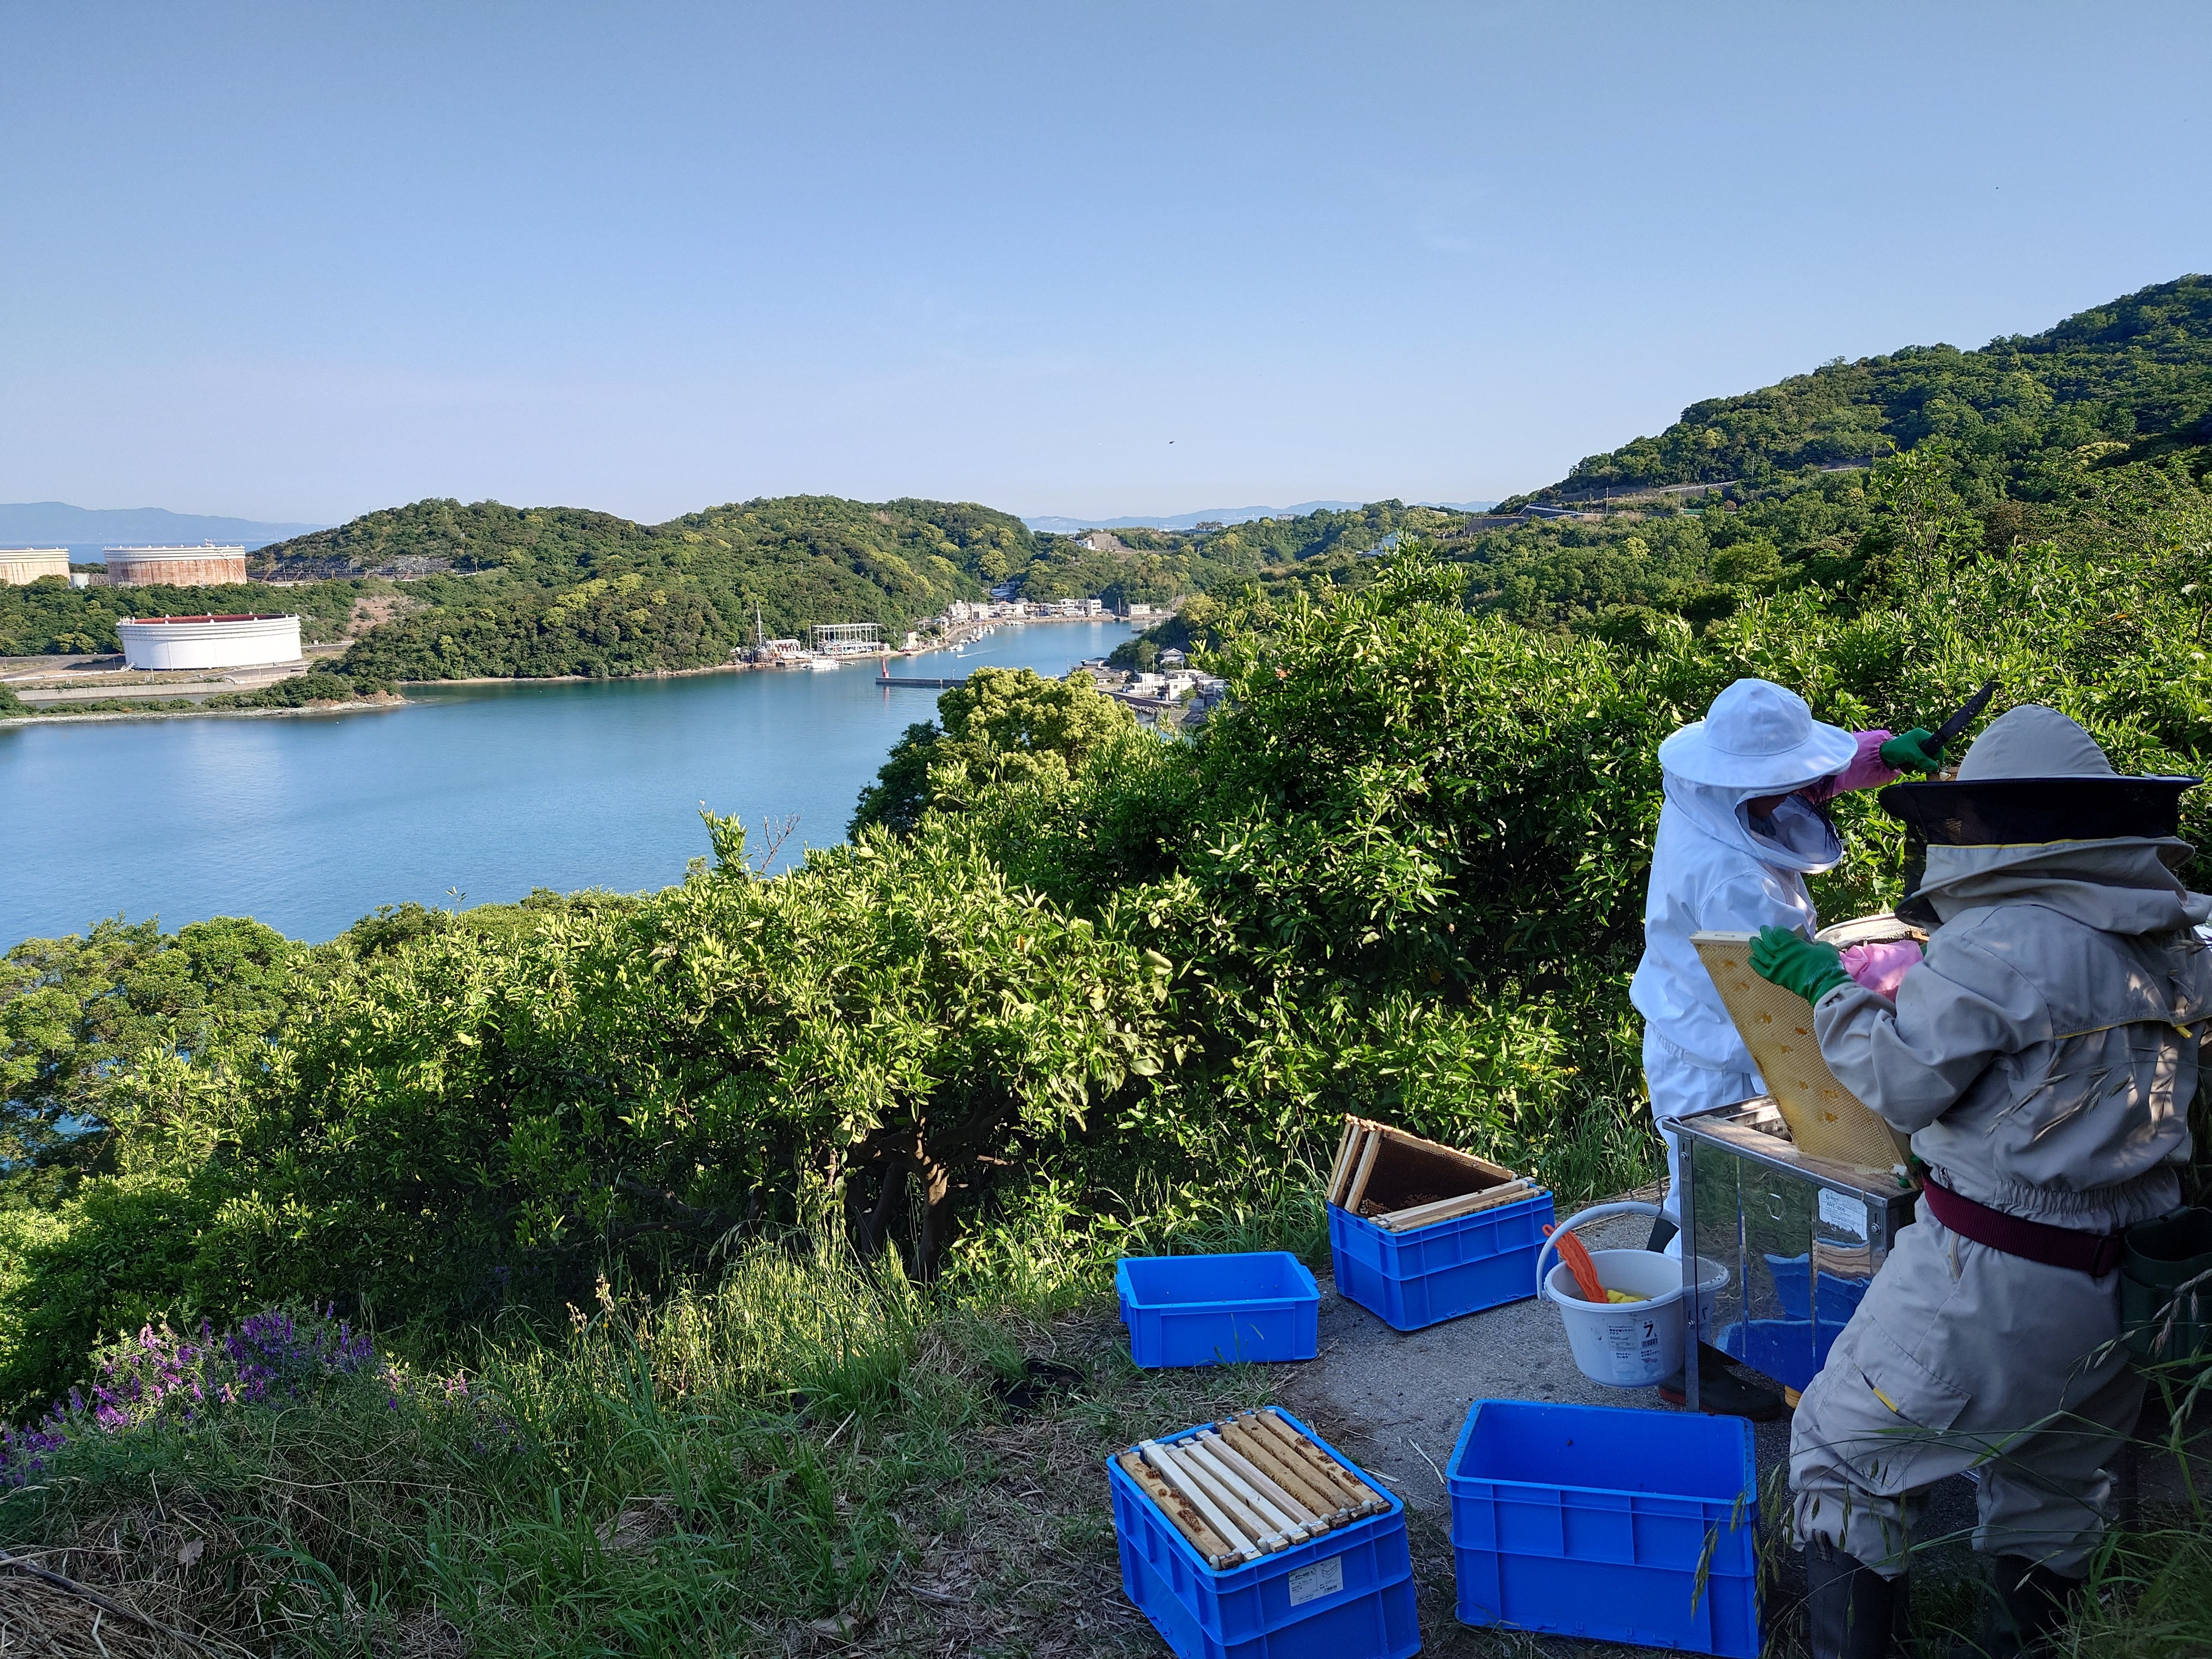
(1825, 1120)
(1623, 1296)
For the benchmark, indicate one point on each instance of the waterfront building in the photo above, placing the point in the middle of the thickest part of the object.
(22, 566)
(205, 565)
(232, 641)
(848, 639)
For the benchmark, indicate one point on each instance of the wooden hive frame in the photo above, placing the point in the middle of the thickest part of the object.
(1825, 1120)
(1363, 1182)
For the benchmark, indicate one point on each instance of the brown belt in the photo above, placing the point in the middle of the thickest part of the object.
(2094, 1254)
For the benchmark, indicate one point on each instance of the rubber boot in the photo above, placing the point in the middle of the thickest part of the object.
(2022, 1606)
(1851, 1612)
(1721, 1392)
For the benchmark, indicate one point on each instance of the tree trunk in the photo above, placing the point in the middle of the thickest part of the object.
(937, 1220)
(875, 1232)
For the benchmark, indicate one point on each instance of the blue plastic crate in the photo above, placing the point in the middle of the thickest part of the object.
(1218, 1309)
(1431, 1274)
(1346, 1595)
(1609, 1523)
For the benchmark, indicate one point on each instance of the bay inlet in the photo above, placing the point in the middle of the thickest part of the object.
(484, 791)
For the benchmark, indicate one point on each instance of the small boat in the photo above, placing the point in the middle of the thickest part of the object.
(820, 663)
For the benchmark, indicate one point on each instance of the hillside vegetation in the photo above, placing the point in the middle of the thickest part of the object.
(733, 1216)
(2135, 372)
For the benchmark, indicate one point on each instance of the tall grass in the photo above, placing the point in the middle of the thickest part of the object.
(698, 1473)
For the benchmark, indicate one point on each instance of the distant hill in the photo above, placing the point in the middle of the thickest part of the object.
(2136, 371)
(531, 592)
(1062, 526)
(1065, 527)
(1854, 476)
(86, 529)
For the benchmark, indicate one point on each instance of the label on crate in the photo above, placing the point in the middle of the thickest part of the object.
(1311, 1583)
(1840, 1210)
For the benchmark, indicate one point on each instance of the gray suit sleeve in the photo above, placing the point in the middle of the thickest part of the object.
(1955, 1013)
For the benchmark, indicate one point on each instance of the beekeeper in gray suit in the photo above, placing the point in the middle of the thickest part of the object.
(2042, 1057)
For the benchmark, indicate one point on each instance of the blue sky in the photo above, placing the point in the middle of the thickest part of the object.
(299, 261)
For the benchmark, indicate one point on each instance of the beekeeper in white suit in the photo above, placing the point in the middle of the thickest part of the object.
(1741, 827)
(2042, 1057)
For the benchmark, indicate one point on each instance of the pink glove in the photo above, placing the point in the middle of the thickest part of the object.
(1881, 967)
(1866, 770)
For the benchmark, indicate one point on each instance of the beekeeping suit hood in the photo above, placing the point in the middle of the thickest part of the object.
(1759, 739)
(1711, 870)
(2122, 884)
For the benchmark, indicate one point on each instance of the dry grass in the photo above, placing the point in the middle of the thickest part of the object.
(85, 1600)
(374, 610)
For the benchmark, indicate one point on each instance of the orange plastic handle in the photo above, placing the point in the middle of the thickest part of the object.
(1580, 1265)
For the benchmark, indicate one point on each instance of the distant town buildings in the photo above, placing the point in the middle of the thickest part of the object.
(1179, 698)
(962, 611)
(22, 566)
(206, 565)
(232, 641)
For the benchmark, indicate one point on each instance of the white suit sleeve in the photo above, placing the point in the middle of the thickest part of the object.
(1746, 903)
(1955, 1013)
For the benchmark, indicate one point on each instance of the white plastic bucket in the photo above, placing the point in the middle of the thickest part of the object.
(1624, 1345)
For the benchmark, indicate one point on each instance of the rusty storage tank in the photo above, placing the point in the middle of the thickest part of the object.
(204, 565)
(22, 566)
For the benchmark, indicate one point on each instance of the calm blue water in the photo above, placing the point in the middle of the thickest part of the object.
(309, 823)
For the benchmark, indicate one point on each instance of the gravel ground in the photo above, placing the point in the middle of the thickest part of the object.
(1395, 1400)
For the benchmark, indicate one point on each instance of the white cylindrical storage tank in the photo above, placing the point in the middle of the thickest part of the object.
(164, 642)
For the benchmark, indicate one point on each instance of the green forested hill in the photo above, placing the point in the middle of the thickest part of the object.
(537, 592)
(1957, 452)
(557, 591)
(2135, 368)
(1850, 479)
(480, 536)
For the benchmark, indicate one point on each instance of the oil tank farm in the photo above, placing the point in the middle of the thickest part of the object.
(179, 567)
(22, 566)
(239, 641)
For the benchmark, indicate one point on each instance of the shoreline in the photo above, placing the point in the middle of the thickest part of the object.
(360, 706)
(756, 667)
(365, 705)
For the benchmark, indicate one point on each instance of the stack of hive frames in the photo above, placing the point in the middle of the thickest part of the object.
(1248, 1485)
(1353, 1178)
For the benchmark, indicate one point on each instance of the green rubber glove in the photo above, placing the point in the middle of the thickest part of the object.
(1806, 966)
(1908, 752)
